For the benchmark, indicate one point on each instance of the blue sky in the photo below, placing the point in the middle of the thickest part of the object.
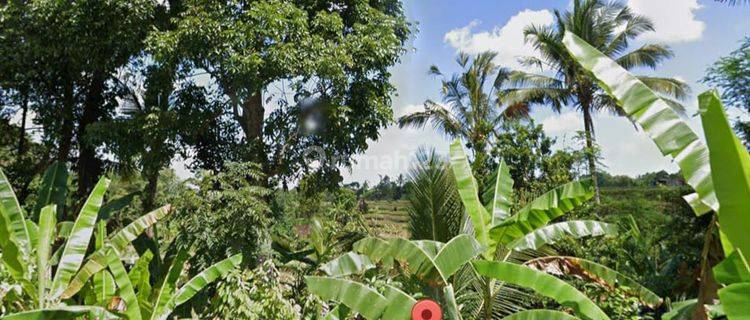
(698, 31)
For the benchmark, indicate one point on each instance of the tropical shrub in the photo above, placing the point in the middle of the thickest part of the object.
(224, 214)
(99, 280)
(255, 294)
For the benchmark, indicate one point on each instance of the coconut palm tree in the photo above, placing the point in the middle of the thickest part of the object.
(470, 112)
(608, 26)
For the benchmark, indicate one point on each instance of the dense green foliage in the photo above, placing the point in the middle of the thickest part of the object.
(266, 101)
(731, 74)
(330, 58)
(224, 213)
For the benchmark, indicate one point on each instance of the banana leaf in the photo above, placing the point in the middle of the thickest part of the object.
(125, 288)
(424, 259)
(454, 254)
(361, 298)
(399, 303)
(349, 263)
(734, 299)
(543, 284)
(47, 217)
(121, 239)
(502, 193)
(558, 231)
(414, 260)
(78, 241)
(681, 310)
(670, 133)
(733, 269)
(33, 233)
(104, 289)
(140, 277)
(14, 224)
(64, 228)
(430, 247)
(54, 188)
(540, 314)
(340, 312)
(115, 205)
(594, 272)
(376, 249)
(542, 210)
(467, 189)
(168, 285)
(200, 281)
(63, 313)
(450, 306)
(730, 170)
(97, 261)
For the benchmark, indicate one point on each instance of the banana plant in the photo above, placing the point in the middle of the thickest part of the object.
(141, 300)
(432, 263)
(505, 234)
(499, 230)
(730, 170)
(718, 170)
(27, 247)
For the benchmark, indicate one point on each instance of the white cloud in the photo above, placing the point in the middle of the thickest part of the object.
(507, 41)
(674, 20)
(567, 122)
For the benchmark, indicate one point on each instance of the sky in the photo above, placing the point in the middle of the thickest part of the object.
(699, 32)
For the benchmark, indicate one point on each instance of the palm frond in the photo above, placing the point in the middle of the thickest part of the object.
(435, 209)
(648, 55)
(440, 118)
(670, 87)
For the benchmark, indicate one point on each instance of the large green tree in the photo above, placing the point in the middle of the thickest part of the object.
(69, 54)
(531, 160)
(324, 64)
(471, 111)
(608, 26)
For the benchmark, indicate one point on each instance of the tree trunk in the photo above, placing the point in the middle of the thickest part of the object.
(66, 129)
(149, 198)
(89, 166)
(488, 299)
(250, 118)
(22, 130)
(590, 156)
(711, 255)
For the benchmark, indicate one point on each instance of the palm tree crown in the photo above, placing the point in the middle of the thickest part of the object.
(471, 108)
(608, 26)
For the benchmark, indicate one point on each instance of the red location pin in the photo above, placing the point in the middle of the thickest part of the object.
(426, 310)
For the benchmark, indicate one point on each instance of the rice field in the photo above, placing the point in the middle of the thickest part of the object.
(387, 218)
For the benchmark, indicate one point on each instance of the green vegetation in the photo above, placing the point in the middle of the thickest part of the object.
(608, 27)
(268, 100)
